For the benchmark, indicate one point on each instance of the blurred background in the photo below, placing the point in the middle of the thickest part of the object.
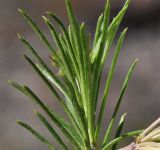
(141, 101)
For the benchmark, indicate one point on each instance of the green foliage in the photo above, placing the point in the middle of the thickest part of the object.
(79, 79)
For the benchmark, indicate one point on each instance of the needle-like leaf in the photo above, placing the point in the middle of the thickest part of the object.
(124, 86)
(119, 129)
(98, 30)
(39, 34)
(51, 130)
(98, 54)
(117, 140)
(109, 79)
(75, 31)
(87, 79)
(36, 134)
(67, 40)
(62, 52)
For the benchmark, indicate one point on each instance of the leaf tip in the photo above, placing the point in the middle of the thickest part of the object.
(124, 116)
(128, 2)
(49, 13)
(136, 60)
(20, 36)
(19, 122)
(21, 11)
(9, 81)
(12, 83)
(126, 29)
(45, 18)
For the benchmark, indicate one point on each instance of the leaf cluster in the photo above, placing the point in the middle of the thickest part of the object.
(80, 72)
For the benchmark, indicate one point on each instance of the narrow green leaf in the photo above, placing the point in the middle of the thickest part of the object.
(68, 66)
(73, 68)
(17, 86)
(85, 66)
(74, 27)
(64, 45)
(36, 134)
(71, 37)
(95, 51)
(75, 32)
(119, 129)
(51, 130)
(117, 140)
(83, 127)
(88, 104)
(55, 36)
(105, 23)
(96, 66)
(108, 82)
(104, 27)
(82, 86)
(113, 27)
(67, 40)
(120, 125)
(124, 86)
(98, 30)
(39, 34)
